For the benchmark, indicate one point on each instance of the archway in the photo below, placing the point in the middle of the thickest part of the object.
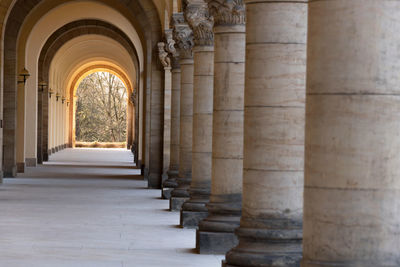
(142, 15)
(100, 113)
(80, 75)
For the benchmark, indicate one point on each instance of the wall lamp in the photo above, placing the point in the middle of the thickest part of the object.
(50, 92)
(63, 100)
(42, 86)
(57, 96)
(25, 75)
(67, 103)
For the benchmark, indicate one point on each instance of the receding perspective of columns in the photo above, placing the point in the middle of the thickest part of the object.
(216, 232)
(183, 35)
(270, 232)
(199, 19)
(352, 177)
(170, 183)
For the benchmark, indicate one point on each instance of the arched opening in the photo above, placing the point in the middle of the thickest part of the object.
(30, 35)
(101, 112)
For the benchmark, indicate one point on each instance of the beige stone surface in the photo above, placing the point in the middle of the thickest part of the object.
(89, 207)
(167, 119)
(175, 119)
(202, 113)
(186, 123)
(228, 111)
(274, 111)
(351, 196)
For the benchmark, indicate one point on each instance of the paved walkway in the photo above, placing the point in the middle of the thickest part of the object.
(89, 207)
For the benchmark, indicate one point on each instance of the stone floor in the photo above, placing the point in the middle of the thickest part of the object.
(89, 207)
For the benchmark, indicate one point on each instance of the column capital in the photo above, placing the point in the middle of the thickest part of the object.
(183, 35)
(170, 47)
(200, 20)
(163, 55)
(227, 12)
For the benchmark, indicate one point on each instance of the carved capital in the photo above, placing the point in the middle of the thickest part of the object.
(201, 22)
(227, 12)
(170, 45)
(183, 35)
(163, 55)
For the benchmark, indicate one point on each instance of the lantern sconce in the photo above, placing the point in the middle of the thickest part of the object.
(25, 75)
(57, 96)
(50, 92)
(63, 100)
(67, 102)
(42, 86)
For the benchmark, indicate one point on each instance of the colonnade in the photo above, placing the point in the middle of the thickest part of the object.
(304, 106)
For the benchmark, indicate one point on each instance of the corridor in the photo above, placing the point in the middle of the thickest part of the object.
(90, 207)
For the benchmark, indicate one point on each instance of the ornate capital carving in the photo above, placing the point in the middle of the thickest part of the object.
(200, 20)
(163, 55)
(170, 47)
(227, 12)
(183, 35)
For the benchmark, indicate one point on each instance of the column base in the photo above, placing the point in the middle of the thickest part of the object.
(311, 263)
(1, 177)
(11, 172)
(20, 167)
(169, 184)
(176, 203)
(145, 173)
(194, 211)
(191, 219)
(216, 234)
(154, 181)
(270, 246)
(53, 150)
(215, 242)
(273, 260)
(166, 192)
(31, 162)
(46, 156)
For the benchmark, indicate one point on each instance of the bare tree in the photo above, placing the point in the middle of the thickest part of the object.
(101, 109)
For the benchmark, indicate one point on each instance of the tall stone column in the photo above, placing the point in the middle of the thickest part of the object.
(194, 210)
(166, 62)
(216, 232)
(184, 38)
(270, 232)
(352, 175)
(173, 171)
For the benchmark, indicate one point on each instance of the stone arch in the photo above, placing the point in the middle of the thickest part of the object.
(145, 17)
(72, 57)
(78, 77)
(53, 44)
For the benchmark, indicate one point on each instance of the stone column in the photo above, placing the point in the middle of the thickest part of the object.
(272, 207)
(170, 183)
(352, 175)
(166, 62)
(216, 232)
(199, 19)
(184, 38)
(41, 94)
